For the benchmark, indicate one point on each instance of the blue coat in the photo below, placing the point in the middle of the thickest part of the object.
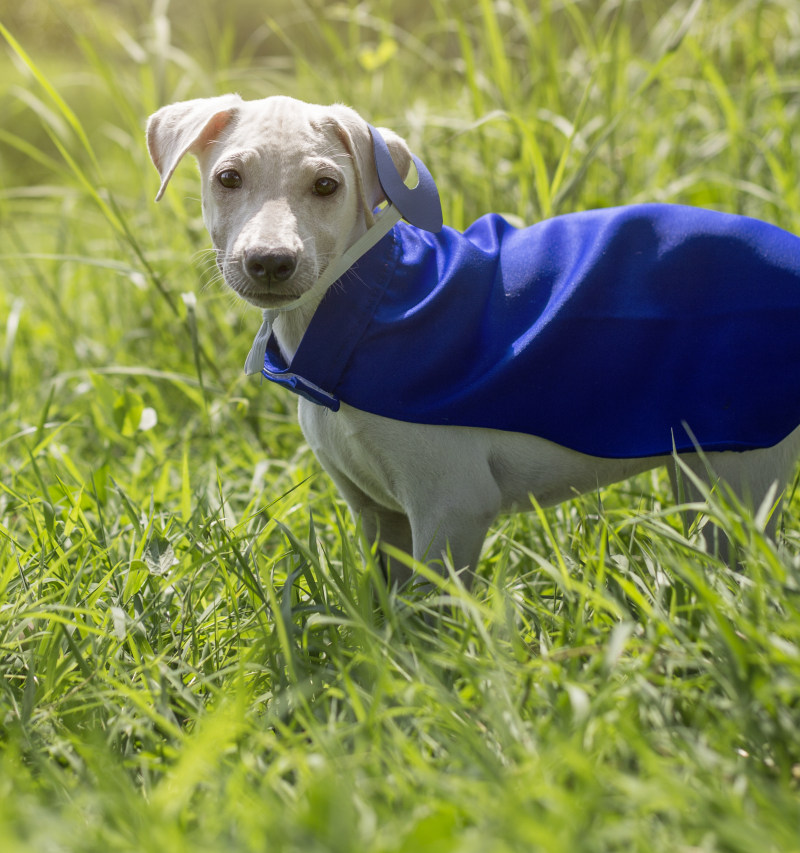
(617, 332)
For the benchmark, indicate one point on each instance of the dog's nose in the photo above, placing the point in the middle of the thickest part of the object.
(270, 266)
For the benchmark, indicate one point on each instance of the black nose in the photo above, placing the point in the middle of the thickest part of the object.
(270, 266)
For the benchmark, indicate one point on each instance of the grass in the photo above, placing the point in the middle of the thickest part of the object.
(196, 649)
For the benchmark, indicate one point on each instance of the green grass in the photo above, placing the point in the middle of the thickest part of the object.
(196, 649)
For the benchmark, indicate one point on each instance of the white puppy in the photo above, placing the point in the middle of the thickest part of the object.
(287, 187)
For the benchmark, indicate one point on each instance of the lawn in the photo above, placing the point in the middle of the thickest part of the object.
(197, 651)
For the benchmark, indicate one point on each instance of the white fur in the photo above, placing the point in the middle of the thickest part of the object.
(423, 489)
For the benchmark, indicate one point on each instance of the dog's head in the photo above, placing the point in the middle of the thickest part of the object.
(287, 186)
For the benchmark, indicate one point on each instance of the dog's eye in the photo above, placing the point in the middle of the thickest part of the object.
(325, 186)
(230, 179)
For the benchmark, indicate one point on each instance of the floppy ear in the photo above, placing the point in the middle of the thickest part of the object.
(186, 127)
(355, 135)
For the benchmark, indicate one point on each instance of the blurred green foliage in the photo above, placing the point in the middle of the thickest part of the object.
(197, 651)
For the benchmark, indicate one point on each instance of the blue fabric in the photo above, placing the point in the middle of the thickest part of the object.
(604, 331)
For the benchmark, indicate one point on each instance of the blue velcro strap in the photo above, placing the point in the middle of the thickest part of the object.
(275, 370)
(419, 205)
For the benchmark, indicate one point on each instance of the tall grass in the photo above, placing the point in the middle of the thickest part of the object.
(196, 647)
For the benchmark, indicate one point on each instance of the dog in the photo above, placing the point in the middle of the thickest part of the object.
(287, 189)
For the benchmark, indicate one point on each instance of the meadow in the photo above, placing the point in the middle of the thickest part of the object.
(197, 650)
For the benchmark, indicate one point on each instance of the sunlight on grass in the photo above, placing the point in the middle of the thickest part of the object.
(197, 648)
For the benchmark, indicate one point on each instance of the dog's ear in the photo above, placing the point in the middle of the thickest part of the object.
(186, 127)
(355, 136)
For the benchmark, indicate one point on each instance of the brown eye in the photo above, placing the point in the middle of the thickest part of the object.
(325, 186)
(230, 179)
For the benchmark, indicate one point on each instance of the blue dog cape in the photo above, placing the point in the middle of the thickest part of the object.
(620, 333)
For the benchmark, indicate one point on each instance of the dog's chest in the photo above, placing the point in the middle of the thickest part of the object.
(349, 445)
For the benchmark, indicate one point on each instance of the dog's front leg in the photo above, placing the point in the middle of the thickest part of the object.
(441, 512)
(452, 527)
(393, 529)
(380, 524)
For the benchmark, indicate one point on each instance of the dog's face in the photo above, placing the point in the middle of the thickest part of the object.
(287, 186)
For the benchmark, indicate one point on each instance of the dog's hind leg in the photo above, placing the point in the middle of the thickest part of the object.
(752, 476)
